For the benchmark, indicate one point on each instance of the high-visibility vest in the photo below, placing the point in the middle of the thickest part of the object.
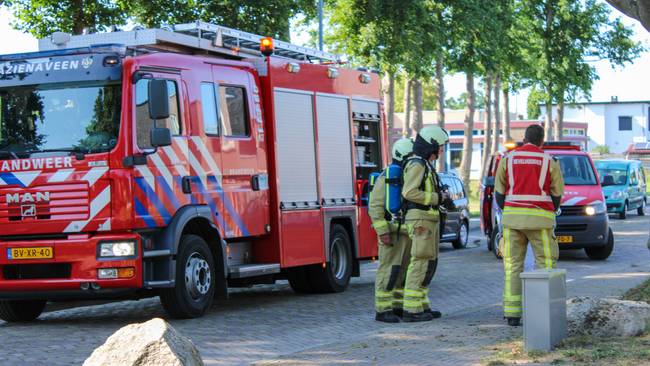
(529, 178)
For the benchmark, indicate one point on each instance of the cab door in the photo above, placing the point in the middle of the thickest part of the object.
(244, 174)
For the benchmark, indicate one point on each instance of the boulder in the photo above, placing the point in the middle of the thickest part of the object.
(152, 343)
(607, 317)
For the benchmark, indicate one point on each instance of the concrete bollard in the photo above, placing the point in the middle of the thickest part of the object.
(544, 305)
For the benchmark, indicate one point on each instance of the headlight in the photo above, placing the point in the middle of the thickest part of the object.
(117, 249)
(595, 209)
(617, 195)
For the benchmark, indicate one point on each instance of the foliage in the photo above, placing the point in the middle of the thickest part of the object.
(535, 99)
(43, 17)
(639, 293)
(461, 101)
(428, 98)
(601, 149)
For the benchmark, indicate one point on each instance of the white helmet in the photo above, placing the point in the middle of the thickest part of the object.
(402, 148)
(436, 134)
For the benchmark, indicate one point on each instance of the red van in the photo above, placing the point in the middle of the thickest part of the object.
(583, 222)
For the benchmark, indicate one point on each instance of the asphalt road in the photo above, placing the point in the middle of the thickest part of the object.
(270, 322)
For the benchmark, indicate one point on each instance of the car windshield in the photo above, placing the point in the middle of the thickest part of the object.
(576, 170)
(618, 174)
(41, 119)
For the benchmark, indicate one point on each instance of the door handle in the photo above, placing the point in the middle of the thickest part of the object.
(186, 184)
(259, 182)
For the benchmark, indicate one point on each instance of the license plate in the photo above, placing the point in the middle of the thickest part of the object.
(565, 239)
(30, 253)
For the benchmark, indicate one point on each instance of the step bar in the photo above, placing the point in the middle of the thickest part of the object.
(252, 270)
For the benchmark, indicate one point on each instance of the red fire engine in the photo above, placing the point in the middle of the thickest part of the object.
(180, 162)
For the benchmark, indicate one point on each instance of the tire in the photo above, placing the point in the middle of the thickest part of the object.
(461, 242)
(494, 239)
(195, 280)
(623, 215)
(602, 253)
(335, 277)
(641, 210)
(299, 280)
(14, 311)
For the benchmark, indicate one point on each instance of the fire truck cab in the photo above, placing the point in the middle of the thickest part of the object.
(180, 162)
(583, 222)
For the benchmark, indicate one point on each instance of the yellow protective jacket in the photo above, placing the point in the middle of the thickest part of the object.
(412, 191)
(377, 209)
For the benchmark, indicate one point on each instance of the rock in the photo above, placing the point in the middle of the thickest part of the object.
(607, 317)
(152, 343)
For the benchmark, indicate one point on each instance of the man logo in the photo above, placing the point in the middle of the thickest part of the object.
(28, 197)
(86, 62)
(28, 210)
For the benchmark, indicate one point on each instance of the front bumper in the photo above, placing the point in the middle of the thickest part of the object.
(585, 231)
(72, 273)
(615, 206)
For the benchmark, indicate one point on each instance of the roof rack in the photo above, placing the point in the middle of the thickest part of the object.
(189, 38)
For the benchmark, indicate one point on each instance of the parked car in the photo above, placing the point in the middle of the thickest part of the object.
(583, 222)
(624, 185)
(456, 225)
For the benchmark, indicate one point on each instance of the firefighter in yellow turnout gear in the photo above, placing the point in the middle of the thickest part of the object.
(423, 197)
(528, 188)
(394, 245)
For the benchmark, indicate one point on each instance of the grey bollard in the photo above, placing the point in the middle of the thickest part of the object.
(544, 305)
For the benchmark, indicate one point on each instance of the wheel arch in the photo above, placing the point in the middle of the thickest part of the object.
(345, 218)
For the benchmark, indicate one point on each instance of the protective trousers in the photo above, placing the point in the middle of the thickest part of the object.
(514, 243)
(389, 282)
(424, 252)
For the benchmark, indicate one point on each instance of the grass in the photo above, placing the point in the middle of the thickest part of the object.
(639, 293)
(578, 351)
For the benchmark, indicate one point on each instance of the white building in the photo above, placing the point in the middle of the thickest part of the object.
(615, 124)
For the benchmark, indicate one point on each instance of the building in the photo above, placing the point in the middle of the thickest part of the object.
(575, 131)
(615, 124)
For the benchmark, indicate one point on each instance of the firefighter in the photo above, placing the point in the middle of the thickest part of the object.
(423, 196)
(529, 187)
(394, 245)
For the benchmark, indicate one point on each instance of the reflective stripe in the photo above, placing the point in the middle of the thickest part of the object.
(509, 210)
(511, 176)
(547, 250)
(528, 197)
(542, 176)
(428, 199)
(380, 225)
(507, 265)
(512, 298)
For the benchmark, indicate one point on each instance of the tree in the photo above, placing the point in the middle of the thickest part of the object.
(43, 17)
(562, 36)
(535, 99)
(637, 9)
(601, 149)
(487, 126)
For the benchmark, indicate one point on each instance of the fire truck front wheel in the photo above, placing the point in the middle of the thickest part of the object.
(21, 310)
(195, 280)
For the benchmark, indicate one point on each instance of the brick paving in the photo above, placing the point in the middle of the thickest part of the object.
(271, 325)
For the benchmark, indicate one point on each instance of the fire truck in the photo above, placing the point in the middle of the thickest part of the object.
(179, 162)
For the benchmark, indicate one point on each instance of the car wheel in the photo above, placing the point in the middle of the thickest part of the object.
(21, 310)
(641, 210)
(462, 237)
(299, 280)
(195, 280)
(495, 239)
(602, 253)
(623, 215)
(335, 275)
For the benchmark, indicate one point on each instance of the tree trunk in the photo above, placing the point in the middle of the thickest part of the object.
(487, 127)
(559, 123)
(506, 114)
(496, 131)
(440, 99)
(78, 22)
(466, 162)
(389, 103)
(548, 123)
(407, 106)
(417, 105)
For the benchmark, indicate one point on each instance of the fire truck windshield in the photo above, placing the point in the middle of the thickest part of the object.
(50, 118)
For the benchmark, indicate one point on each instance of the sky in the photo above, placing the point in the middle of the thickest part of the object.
(629, 83)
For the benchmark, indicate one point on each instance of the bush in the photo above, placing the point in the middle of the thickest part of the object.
(601, 149)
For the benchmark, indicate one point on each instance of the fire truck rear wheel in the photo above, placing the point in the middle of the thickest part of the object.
(195, 280)
(335, 277)
(299, 280)
(21, 310)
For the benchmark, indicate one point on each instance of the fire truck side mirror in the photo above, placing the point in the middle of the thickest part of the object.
(158, 99)
(160, 137)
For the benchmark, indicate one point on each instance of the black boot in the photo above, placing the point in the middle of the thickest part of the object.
(386, 317)
(416, 317)
(435, 313)
(398, 312)
(513, 322)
